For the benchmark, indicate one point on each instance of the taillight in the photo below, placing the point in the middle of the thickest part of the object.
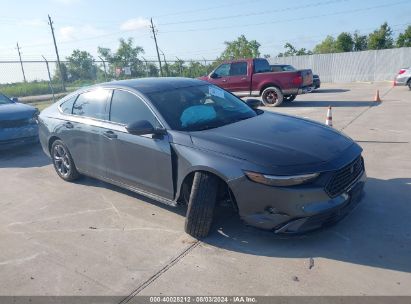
(402, 71)
(298, 80)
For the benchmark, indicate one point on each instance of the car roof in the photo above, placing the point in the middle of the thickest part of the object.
(152, 85)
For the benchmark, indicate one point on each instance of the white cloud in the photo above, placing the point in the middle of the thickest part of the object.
(67, 33)
(135, 24)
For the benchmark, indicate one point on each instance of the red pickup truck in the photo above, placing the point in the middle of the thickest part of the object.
(253, 77)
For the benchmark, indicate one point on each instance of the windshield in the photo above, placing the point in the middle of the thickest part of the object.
(4, 99)
(200, 108)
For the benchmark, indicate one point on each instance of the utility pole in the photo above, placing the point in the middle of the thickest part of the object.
(180, 65)
(21, 63)
(165, 63)
(57, 54)
(48, 71)
(155, 41)
(104, 65)
(147, 69)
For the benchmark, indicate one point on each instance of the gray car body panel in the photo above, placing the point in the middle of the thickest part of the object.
(269, 143)
(404, 78)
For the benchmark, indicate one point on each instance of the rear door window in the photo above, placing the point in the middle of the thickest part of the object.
(238, 69)
(93, 104)
(127, 108)
(261, 66)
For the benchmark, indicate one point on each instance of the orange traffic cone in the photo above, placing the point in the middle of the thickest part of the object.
(377, 96)
(329, 120)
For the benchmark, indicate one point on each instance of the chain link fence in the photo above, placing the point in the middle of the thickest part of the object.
(44, 78)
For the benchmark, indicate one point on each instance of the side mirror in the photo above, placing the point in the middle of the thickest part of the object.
(14, 99)
(144, 127)
(213, 75)
(253, 103)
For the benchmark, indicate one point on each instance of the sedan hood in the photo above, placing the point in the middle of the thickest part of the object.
(275, 140)
(16, 111)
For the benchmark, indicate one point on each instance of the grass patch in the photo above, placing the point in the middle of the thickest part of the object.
(22, 89)
(41, 105)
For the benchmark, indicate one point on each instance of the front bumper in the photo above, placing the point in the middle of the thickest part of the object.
(13, 137)
(293, 209)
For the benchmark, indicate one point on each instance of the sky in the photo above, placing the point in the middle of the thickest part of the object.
(186, 29)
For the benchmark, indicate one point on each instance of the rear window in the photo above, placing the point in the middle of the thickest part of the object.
(67, 106)
(92, 104)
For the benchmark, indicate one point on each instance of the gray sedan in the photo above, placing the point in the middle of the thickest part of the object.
(180, 140)
(403, 78)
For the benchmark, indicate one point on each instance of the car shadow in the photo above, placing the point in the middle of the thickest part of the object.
(24, 157)
(332, 103)
(92, 182)
(376, 234)
(330, 90)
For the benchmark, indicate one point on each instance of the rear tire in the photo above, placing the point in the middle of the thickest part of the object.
(289, 98)
(272, 97)
(409, 84)
(63, 162)
(200, 209)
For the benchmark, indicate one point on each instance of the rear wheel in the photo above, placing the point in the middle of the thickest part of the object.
(289, 98)
(272, 97)
(201, 205)
(63, 162)
(409, 84)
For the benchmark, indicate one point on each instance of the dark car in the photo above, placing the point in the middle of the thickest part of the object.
(188, 141)
(18, 123)
(316, 82)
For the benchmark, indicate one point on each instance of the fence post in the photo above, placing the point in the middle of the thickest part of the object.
(48, 72)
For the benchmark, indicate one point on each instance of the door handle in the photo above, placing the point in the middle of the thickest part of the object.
(243, 78)
(110, 134)
(69, 125)
(224, 80)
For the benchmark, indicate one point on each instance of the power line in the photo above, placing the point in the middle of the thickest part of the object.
(293, 8)
(289, 20)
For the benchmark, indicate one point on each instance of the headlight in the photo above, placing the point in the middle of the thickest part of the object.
(35, 117)
(280, 180)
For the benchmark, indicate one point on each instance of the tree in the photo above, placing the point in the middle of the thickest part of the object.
(328, 45)
(360, 42)
(56, 77)
(241, 48)
(126, 56)
(381, 38)
(344, 42)
(292, 51)
(404, 39)
(81, 66)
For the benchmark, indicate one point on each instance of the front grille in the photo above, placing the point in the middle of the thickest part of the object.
(14, 123)
(344, 177)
